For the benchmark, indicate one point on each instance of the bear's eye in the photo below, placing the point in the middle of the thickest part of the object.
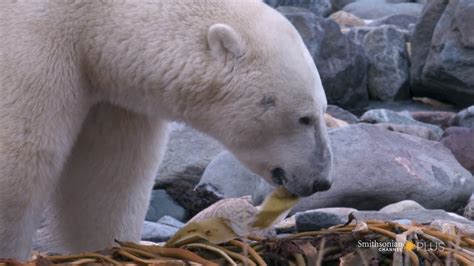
(305, 120)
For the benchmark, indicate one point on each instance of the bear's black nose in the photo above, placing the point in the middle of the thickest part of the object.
(278, 176)
(321, 185)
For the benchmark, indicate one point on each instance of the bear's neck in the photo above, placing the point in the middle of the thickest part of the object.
(152, 62)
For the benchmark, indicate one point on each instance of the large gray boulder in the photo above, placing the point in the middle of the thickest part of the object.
(388, 73)
(187, 154)
(375, 167)
(379, 9)
(341, 63)
(318, 7)
(443, 52)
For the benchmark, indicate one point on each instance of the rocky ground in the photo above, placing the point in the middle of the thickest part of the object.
(399, 77)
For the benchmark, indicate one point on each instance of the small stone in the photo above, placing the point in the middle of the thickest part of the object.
(404, 205)
(387, 116)
(422, 216)
(464, 118)
(161, 204)
(469, 209)
(414, 130)
(345, 19)
(332, 122)
(321, 218)
(342, 114)
(168, 220)
(156, 232)
(286, 226)
(438, 118)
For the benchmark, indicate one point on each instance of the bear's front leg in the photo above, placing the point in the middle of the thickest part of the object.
(107, 181)
(36, 135)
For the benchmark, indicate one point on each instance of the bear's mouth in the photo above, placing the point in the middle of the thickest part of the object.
(279, 176)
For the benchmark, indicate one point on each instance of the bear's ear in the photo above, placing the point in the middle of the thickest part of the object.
(223, 39)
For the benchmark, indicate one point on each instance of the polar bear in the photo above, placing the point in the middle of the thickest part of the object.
(88, 87)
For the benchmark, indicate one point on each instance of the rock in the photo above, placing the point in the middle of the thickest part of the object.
(469, 209)
(239, 212)
(433, 103)
(156, 232)
(286, 226)
(225, 177)
(341, 63)
(321, 218)
(192, 199)
(161, 204)
(357, 34)
(318, 7)
(339, 113)
(460, 141)
(409, 105)
(345, 19)
(438, 118)
(397, 1)
(466, 229)
(387, 116)
(340, 4)
(404, 205)
(388, 73)
(465, 118)
(375, 167)
(187, 155)
(422, 216)
(374, 10)
(316, 220)
(421, 40)
(443, 52)
(414, 130)
(399, 20)
(332, 122)
(168, 220)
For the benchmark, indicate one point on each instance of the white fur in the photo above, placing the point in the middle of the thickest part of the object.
(86, 88)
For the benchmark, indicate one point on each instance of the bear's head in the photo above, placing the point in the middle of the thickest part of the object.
(266, 103)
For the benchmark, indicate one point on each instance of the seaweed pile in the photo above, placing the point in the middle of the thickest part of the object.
(354, 243)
